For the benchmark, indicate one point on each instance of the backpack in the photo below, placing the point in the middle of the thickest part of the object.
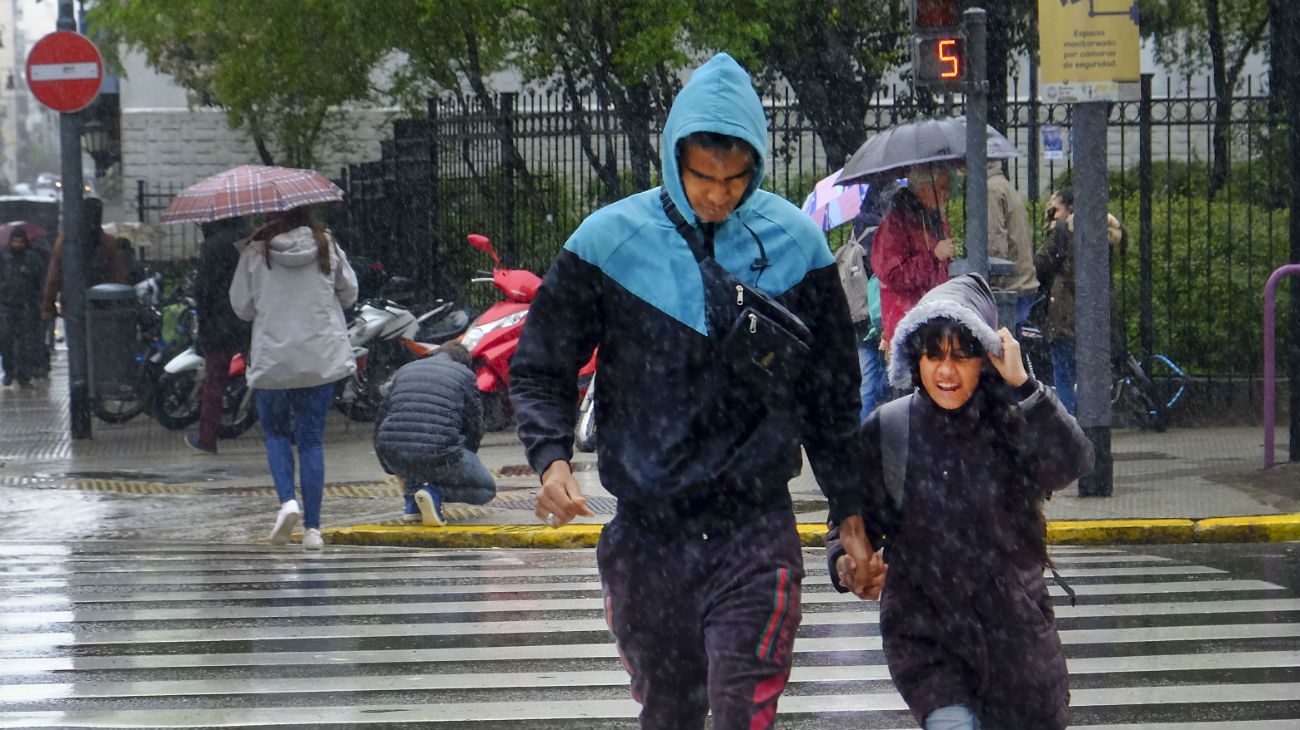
(852, 261)
(895, 430)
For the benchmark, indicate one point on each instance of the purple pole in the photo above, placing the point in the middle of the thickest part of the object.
(1270, 375)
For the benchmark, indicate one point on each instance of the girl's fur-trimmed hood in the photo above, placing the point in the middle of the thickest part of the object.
(967, 300)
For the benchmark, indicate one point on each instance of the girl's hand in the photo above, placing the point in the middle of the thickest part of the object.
(1011, 366)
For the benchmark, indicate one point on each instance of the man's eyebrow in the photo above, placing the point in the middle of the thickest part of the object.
(747, 172)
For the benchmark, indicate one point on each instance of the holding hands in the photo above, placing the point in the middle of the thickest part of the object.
(860, 569)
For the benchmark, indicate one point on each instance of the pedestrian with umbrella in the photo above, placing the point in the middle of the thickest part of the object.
(913, 246)
(293, 283)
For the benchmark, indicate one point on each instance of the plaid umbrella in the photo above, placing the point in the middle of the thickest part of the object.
(250, 190)
(831, 205)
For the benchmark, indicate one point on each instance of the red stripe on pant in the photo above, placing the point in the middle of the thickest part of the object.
(778, 613)
(609, 623)
(766, 693)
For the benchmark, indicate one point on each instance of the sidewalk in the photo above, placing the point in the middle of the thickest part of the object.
(1167, 486)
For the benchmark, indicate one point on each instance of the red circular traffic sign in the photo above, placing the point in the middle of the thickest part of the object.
(65, 71)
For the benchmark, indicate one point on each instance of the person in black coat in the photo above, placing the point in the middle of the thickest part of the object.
(967, 624)
(222, 334)
(428, 432)
(22, 277)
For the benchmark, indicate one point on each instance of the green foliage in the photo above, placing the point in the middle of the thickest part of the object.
(1210, 263)
(1183, 31)
(279, 69)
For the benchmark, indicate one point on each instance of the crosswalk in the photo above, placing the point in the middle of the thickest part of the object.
(164, 635)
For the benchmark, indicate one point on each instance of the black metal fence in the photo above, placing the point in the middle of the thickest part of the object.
(525, 169)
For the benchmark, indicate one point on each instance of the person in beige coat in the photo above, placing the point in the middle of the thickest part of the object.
(1009, 239)
(293, 282)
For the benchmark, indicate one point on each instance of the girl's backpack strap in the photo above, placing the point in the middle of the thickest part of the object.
(895, 424)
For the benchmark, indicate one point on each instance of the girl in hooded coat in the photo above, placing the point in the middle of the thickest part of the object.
(293, 282)
(968, 627)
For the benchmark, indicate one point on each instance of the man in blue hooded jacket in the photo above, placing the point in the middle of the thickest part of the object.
(701, 565)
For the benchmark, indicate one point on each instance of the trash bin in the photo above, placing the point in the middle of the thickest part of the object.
(112, 344)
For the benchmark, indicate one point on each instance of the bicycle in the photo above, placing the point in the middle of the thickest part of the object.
(1147, 390)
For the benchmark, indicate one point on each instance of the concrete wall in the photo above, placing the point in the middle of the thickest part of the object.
(179, 147)
(183, 146)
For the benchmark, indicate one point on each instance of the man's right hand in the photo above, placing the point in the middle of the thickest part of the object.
(560, 498)
(945, 250)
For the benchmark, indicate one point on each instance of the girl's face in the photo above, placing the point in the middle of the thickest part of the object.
(950, 377)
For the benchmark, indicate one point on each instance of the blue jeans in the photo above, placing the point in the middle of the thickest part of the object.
(952, 717)
(1063, 373)
(297, 414)
(872, 362)
(1023, 305)
(463, 480)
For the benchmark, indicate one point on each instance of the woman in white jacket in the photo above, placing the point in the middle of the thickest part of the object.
(293, 283)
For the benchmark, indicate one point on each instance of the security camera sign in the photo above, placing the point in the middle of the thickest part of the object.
(1089, 50)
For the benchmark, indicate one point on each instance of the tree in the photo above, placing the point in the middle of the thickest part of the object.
(1187, 33)
(624, 54)
(831, 53)
(1010, 30)
(282, 70)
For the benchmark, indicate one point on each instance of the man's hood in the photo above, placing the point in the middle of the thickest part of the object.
(294, 248)
(718, 98)
(965, 299)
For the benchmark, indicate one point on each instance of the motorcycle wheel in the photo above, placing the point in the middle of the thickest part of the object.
(177, 400)
(118, 410)
(497, 415)
(238, 409)
(584, 437)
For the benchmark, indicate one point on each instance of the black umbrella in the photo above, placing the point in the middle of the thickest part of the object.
(929, 140)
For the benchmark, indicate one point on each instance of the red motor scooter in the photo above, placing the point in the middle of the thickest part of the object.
(494, 336)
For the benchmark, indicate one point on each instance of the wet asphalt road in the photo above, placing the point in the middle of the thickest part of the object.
(165, 634)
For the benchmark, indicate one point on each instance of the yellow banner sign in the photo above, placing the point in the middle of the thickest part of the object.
(1089, 50)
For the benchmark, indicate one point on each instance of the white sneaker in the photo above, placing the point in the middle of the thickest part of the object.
(311, 539)
(285, 521)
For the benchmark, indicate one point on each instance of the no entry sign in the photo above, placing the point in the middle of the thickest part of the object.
(65, 71)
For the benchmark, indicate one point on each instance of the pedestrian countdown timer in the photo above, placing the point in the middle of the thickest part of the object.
(939, 48)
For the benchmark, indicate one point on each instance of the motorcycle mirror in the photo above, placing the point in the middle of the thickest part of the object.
(484, 244)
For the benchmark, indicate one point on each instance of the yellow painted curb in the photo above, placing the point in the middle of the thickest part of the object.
(1093, 532)
(1260, 528)
(467, 536)
(812, 535)
(1266, 528)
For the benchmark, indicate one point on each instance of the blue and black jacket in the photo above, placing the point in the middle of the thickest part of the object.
(681, 445)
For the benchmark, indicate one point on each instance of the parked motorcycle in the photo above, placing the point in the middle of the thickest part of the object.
(494, 336)
(177, 399)
(385, 335)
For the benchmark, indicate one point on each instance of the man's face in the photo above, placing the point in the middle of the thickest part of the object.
(715, 180)
(950, 378)
(18, 243)
(932, 189)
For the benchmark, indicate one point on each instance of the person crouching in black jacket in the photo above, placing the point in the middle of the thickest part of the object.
(428, 431)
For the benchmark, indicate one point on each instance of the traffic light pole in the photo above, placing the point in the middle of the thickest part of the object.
(977, 116)
(1092, 291)
(74, 259)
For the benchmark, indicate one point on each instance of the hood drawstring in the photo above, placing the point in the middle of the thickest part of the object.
(1065, 587)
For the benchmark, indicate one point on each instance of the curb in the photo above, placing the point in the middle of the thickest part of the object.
(1259, 528)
